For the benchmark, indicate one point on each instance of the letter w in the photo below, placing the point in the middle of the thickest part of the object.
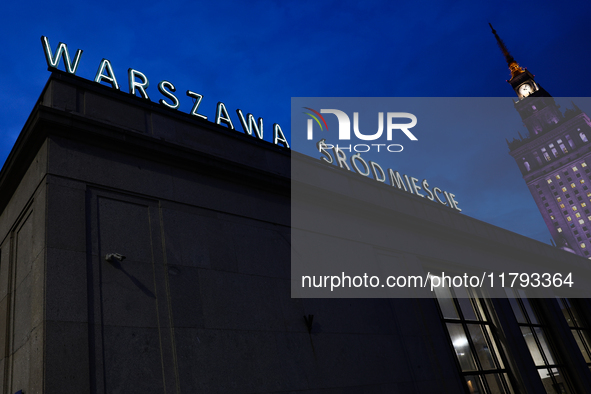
(250, 125)
(62, 50)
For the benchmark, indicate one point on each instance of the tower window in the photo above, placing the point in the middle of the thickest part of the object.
(581, 221)
(583, 137)
(581, 181)
(569, 179)
(546, 155)
(543, 198)
(583, 245)
(549, 181)
(575, 168)
(562, 206)
(553, 218)
(553, 149)
(570, 142)
(564, 189)
(559, 199)
(560, 183)
(583, 204)
(578, 175)
(559, 229)
(583, 164)
(537, 186)
(578, 215)
(574, 208)
(569, 218)
(572, 185)
(557, 176)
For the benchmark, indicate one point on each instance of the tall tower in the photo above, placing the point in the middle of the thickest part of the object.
(554, 159)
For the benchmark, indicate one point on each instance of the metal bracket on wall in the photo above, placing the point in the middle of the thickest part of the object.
(110, 256)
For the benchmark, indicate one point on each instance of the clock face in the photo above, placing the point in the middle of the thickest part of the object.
(525, 89)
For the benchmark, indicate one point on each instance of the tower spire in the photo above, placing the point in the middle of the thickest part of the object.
(513, 65)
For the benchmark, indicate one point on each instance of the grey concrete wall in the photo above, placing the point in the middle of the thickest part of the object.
(22, 277)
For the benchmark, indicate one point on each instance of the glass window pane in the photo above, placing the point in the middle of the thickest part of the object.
(495, 348)
(565, 306)
(461, 346)
(481, 347)
(494, 383)
(544, 343)
(448, 308)
(474, 385)
(555, 385)
(532, 345)
(465, 304)
(581, 341)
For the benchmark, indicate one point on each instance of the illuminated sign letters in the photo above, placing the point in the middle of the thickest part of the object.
(139, 83)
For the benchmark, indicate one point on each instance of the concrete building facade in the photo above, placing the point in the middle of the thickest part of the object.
(143, 250)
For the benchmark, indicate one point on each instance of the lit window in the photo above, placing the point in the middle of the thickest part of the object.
(559, 199)
(569, 218)
(583, 245)
(589, 194)
(564, 189)
(578, 214)
(562, 206)
(552, 217)
(557, 176)
(583, 137)
(535, 335)
(575, 168)
(473, 336)
(549, 180)
(572, 185)
(583, 164)
(574, 319)
(559, 229)
(581, 221)
(581, 181)
(574, 208)
(583, 204)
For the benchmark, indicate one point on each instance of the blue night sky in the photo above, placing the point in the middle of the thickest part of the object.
(256, 55)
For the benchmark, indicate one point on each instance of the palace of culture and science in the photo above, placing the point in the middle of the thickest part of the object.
(555, 159)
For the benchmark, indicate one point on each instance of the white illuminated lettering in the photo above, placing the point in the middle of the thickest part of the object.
(278, 136)
(358, 157)
(322, 148)
(109, 77)
(196, 101)
(416, 187)
(62, 51)
(341, 157)
(222, 116)
(162, 86)
(141, 86)
(426, 188)
(375, 167)
(249, 125)
(396, 179)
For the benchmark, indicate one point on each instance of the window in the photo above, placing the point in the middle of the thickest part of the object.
(552, 217)
(574, 208)
(581, 181)
(564, 189)
(549, 181)
(472, 335)
(535, 335)
(557, 176)
(569, 179)
(572, 185)
(562, 206)
(569, 218)
(583, 246)
(546, 155)
(583, 204)
(578, 327)
(559, 229)
(575, 168)
(583, 137)
(581, 221)
(583, 164)
(578, 214)
(559, 199)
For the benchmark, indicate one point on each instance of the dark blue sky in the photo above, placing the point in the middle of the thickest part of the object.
(256, 55)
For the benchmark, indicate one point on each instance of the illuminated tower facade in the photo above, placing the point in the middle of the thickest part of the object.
(554, 159)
